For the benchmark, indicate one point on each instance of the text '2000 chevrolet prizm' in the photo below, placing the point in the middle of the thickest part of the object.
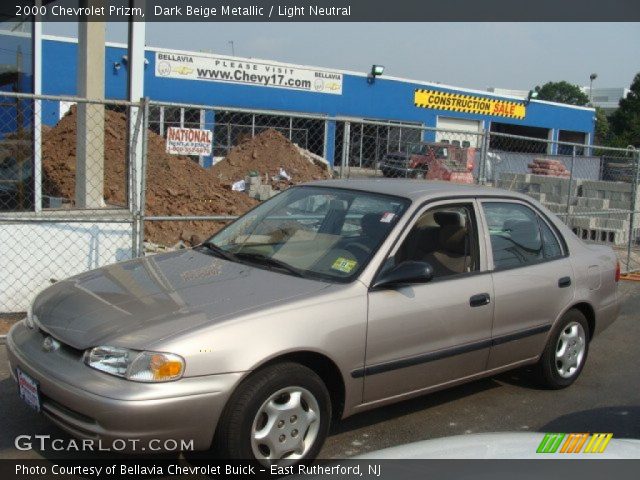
(331, 298)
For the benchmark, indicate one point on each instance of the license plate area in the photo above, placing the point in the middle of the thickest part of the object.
(29, 390)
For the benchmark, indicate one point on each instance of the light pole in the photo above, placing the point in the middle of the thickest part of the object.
(233, 50)
(592, 77)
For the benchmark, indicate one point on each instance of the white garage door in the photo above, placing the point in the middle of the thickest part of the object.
(452, 130)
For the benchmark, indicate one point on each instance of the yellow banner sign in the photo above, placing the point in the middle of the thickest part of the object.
(458, 102)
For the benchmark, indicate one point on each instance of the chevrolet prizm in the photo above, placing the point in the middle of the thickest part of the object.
(330, 299)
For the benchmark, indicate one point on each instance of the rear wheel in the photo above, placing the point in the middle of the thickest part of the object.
(279, 415)
(566, 351)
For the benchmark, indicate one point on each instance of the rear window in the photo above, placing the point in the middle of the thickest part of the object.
(519, 236)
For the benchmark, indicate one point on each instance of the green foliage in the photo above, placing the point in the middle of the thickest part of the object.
(603, 130)
(625, 121)
(562, 92)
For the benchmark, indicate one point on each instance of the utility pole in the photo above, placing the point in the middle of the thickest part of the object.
(592, 77)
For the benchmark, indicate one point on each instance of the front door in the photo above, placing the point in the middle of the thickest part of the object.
(422, 335)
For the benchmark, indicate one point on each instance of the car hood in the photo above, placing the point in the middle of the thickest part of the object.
(137, 303)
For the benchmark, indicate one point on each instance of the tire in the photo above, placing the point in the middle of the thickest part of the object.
(248, 413)
(570, 336)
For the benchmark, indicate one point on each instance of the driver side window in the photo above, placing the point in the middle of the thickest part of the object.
(446, 238)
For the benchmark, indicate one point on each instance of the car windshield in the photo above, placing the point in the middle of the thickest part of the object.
(418, 149)
(316, 232)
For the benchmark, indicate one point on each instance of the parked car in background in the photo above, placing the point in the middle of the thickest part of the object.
(327, 300)
(431, 161)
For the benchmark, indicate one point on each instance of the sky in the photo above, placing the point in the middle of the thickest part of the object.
(472, 55)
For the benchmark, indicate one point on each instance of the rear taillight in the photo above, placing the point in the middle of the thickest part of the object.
(617, 271)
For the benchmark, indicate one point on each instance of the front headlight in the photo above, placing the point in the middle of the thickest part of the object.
(135, 365)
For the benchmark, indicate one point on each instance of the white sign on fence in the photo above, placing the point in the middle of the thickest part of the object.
(251, 72)
(189, 141)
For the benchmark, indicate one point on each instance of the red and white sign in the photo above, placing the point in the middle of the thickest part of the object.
(189, 141)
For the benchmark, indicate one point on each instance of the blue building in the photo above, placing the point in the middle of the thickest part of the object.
(201, 79)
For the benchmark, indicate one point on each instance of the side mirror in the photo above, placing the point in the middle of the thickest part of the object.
(405, 272)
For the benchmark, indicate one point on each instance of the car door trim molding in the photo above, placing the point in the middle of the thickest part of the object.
(449, 352)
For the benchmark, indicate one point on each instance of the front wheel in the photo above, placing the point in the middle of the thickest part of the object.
(566, 351)
(279, 415)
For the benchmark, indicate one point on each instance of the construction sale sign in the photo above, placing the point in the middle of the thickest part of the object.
(458, 102)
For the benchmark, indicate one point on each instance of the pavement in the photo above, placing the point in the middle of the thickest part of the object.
(606, 398)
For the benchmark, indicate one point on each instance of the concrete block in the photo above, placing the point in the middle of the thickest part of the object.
(608, 186)
(593, 203)
(614, 237)
(264, 192)
(581, 222)
(253, 180)
(537, 196)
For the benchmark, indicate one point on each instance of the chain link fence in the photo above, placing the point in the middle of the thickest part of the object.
(65, 190)
(86, 183)
(190, 193)
(592, 189)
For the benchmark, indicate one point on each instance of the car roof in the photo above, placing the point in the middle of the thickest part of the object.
(417, 190)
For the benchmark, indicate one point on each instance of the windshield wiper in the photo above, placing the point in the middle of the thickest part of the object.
(261, 259)
(212, 247)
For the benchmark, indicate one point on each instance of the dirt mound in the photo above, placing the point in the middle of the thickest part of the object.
(175, 185)
(267, 152)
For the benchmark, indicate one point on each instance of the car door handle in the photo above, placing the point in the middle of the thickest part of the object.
(479, 300)
(564, 282)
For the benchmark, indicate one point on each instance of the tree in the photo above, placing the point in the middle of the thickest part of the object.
(562, 92)
(603, 130)
(625, 121)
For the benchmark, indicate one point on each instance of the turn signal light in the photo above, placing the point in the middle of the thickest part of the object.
(164, 369)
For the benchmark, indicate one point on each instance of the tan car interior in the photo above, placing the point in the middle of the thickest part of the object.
(442, 238)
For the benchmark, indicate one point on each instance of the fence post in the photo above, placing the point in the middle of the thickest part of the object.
(573, 160)
(632, 212)
(345, 147)
(361, 141)
(482, 166)
(325, 143)
(143, 177)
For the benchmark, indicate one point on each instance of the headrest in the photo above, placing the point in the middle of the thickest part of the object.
(337, 204)
(449, 219)
(454, 240)
(524, 233)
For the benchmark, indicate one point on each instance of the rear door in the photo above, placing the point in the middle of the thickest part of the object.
(532, 279)
(423, 335)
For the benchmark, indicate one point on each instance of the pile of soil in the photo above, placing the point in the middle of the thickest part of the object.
(176, 185)
(553, 168)
(268, 152)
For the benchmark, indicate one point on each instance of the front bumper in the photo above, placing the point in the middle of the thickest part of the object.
(91, 404)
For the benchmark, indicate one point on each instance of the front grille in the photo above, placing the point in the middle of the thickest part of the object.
(70, 419)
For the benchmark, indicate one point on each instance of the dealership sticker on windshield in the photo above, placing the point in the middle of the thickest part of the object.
(387, 217)
(344, 265)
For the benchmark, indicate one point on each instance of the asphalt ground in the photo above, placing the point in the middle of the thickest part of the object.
(606, 398)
